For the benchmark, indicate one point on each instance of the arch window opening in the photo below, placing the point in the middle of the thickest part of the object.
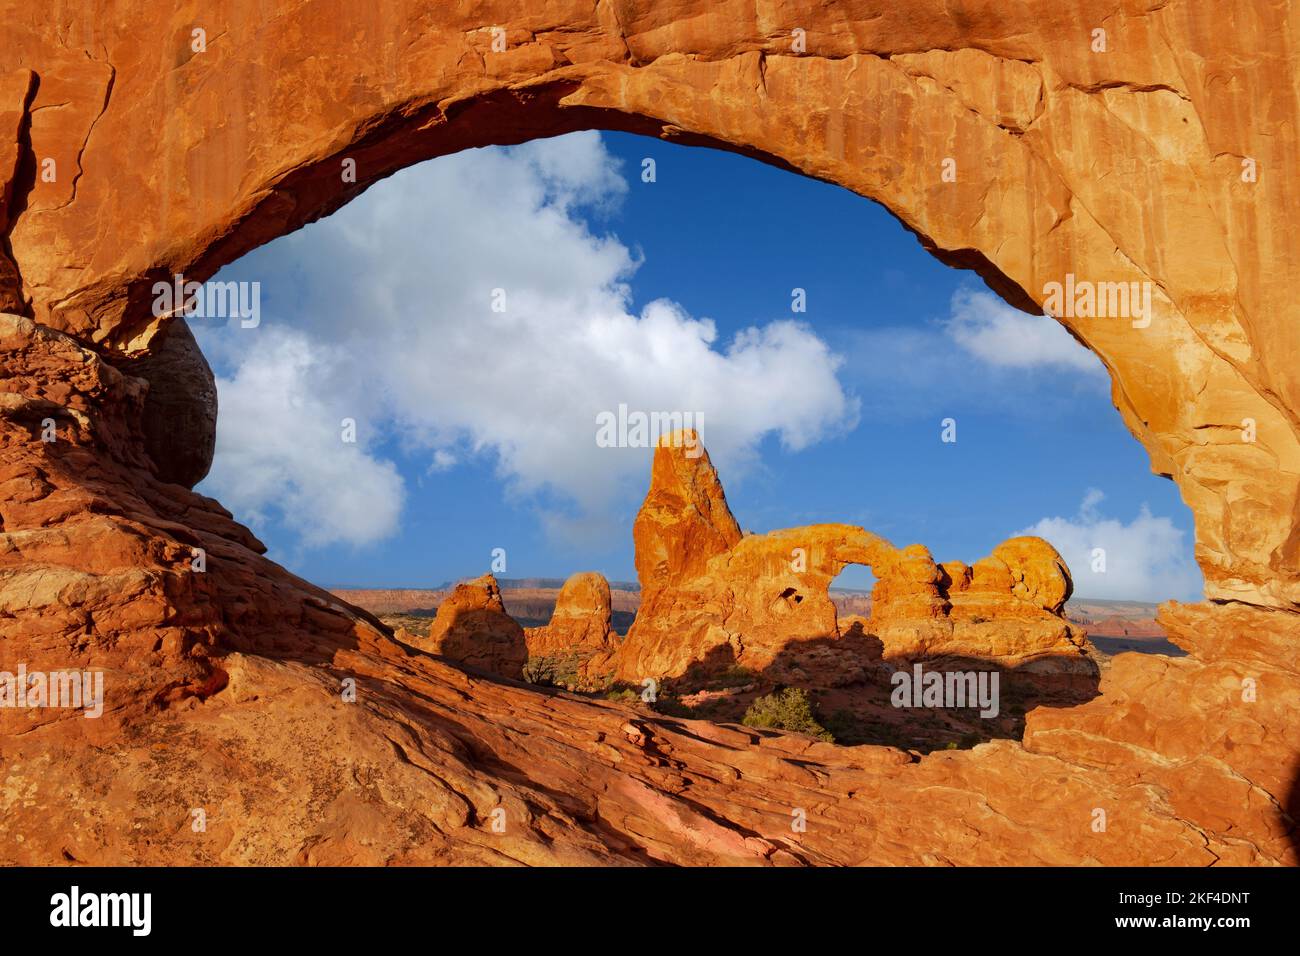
(464, 372)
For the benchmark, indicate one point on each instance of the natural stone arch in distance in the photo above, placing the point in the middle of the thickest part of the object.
(254, 136)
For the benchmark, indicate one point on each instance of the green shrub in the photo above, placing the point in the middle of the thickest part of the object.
(665, 704)
(670, 706)
(560, 670)
(788, 709)
(733, 676)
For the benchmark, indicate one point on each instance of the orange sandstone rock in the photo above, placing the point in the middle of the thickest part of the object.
(581, 621)
(1129, 166)
(684, 521)
(472, 627)
(1141, 164)
(753, 603)
(16, 88)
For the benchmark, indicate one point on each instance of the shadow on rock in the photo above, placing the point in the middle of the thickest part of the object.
(863, 697)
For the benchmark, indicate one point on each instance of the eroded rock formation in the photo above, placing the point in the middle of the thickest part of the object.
(1021, 101)
(582, 619)
(713, 598)
(129, 154)
(472, 627)
(180, 406)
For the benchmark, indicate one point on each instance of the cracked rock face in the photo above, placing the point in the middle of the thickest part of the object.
(128, 156)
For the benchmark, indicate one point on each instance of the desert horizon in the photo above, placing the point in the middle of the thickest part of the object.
(531, 601)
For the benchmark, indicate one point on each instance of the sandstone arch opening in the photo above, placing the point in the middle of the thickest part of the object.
(283, 362)
(111, 546)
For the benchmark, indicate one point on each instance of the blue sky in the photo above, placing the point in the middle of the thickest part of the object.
(475, 428)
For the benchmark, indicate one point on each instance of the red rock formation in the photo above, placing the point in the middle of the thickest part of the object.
(684, 522)
(708, 605)
(16, 89)
(472, 627)
(1018, 99)
(582, 619)
(1128, 165)
(180, 407)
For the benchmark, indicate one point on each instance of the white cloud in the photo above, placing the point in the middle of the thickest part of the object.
(1145, 559)
(396, 291)
(1005, 337)
(281, 448)
(443, 460)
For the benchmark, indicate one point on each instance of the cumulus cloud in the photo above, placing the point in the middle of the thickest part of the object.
(1004, 337)
(281, 447)
(1145, 559)
(390, 302)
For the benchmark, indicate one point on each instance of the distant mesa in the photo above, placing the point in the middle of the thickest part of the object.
(540, 584)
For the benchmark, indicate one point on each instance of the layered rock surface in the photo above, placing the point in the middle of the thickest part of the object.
(1148, 160)
(224, 683)
(241, 665)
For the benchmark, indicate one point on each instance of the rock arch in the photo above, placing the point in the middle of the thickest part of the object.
(1158, 160)
(258, 124)
(712, 597)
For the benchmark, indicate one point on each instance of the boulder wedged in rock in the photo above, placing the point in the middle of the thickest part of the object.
(104, 566)
(472, 627)
(180, 408)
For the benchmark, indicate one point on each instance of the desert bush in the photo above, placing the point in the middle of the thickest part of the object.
(670, 706)
(788, 709)
(733, 676)
(666, 704)
(559, 670)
